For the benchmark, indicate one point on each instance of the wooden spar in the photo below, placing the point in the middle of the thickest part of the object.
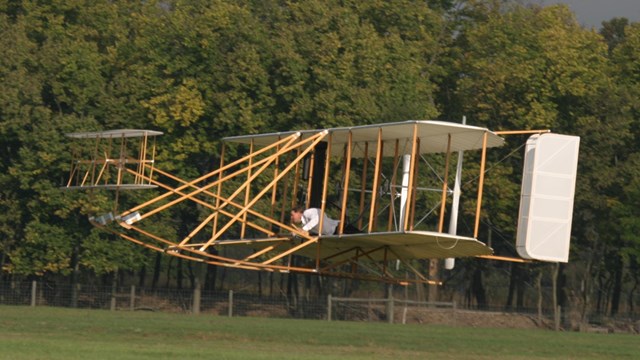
(503, 258)
(72, 173)
(213, 195)
(221, 261)
(153, 157)
(108, 156)
(95, 157)
(198, 228)
(413, 185)
(353, 260)
(345, 186)
(520, 132)
(274, 189)
(215, 172)
(239, 207)
(143, 144)
(213, 259)
(323, 206)
(312, 160)
(443, 200)
(315, 139)
(394, 178)
(123, 157)
(480, 184)
(285, 192)
(92, 163)
(325, 180)
(210, 206)
(418, 274)
(247, 183)
(102, 169)
(363, 182)
(218, 189)
(309, 241)
(261, 252)
(405, 225)
(296, 181)
(247, 189)
(377, 196)
(263, 162)
(376, 179)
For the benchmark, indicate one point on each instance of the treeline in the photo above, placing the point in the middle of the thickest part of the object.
(201, 70)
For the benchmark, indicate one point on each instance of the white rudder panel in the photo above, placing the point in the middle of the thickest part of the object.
(546, 202)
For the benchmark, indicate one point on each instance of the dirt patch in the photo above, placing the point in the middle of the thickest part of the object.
(467, 318)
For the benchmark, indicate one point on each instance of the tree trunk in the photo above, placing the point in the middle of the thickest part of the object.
(271, 284)
(634, 271)
(477, 288)
(169, 271)
(585, 287)
(617, 285)
(282, 279)
(223, 277)
(194, 275)
(179, 273)
(539, 289)
(75, 265)
(210, 278)
(513, 278)
(630, 296)
(142, 276)
(599, 298)
(307, 287)
(520, 296)
(292, 292)
(561, 292)
(156, 271)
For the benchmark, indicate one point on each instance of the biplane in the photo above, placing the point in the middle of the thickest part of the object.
(392, 182)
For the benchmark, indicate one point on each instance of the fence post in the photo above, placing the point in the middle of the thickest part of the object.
(132, 299)
(114, 289)
(390, 305)
(196, 297)
(230, 303)
(329, 307)
(34, 287)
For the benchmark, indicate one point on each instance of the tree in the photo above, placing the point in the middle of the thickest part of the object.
(536, 68)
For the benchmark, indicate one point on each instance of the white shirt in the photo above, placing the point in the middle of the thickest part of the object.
(311, 219)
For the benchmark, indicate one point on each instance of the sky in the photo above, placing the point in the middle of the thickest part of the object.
(591, 13)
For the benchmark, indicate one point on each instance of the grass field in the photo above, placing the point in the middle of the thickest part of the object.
(57, 333)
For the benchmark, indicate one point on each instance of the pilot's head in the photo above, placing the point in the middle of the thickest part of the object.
(296, 214)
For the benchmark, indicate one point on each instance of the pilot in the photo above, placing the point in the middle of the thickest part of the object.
(310, 220)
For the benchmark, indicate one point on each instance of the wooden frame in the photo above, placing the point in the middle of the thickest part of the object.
(274, 164)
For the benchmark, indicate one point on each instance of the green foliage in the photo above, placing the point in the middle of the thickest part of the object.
(45, 249)
(105, 254)
(523, 66)
(202, 70)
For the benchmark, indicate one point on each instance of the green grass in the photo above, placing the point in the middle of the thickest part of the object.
(57, 333)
